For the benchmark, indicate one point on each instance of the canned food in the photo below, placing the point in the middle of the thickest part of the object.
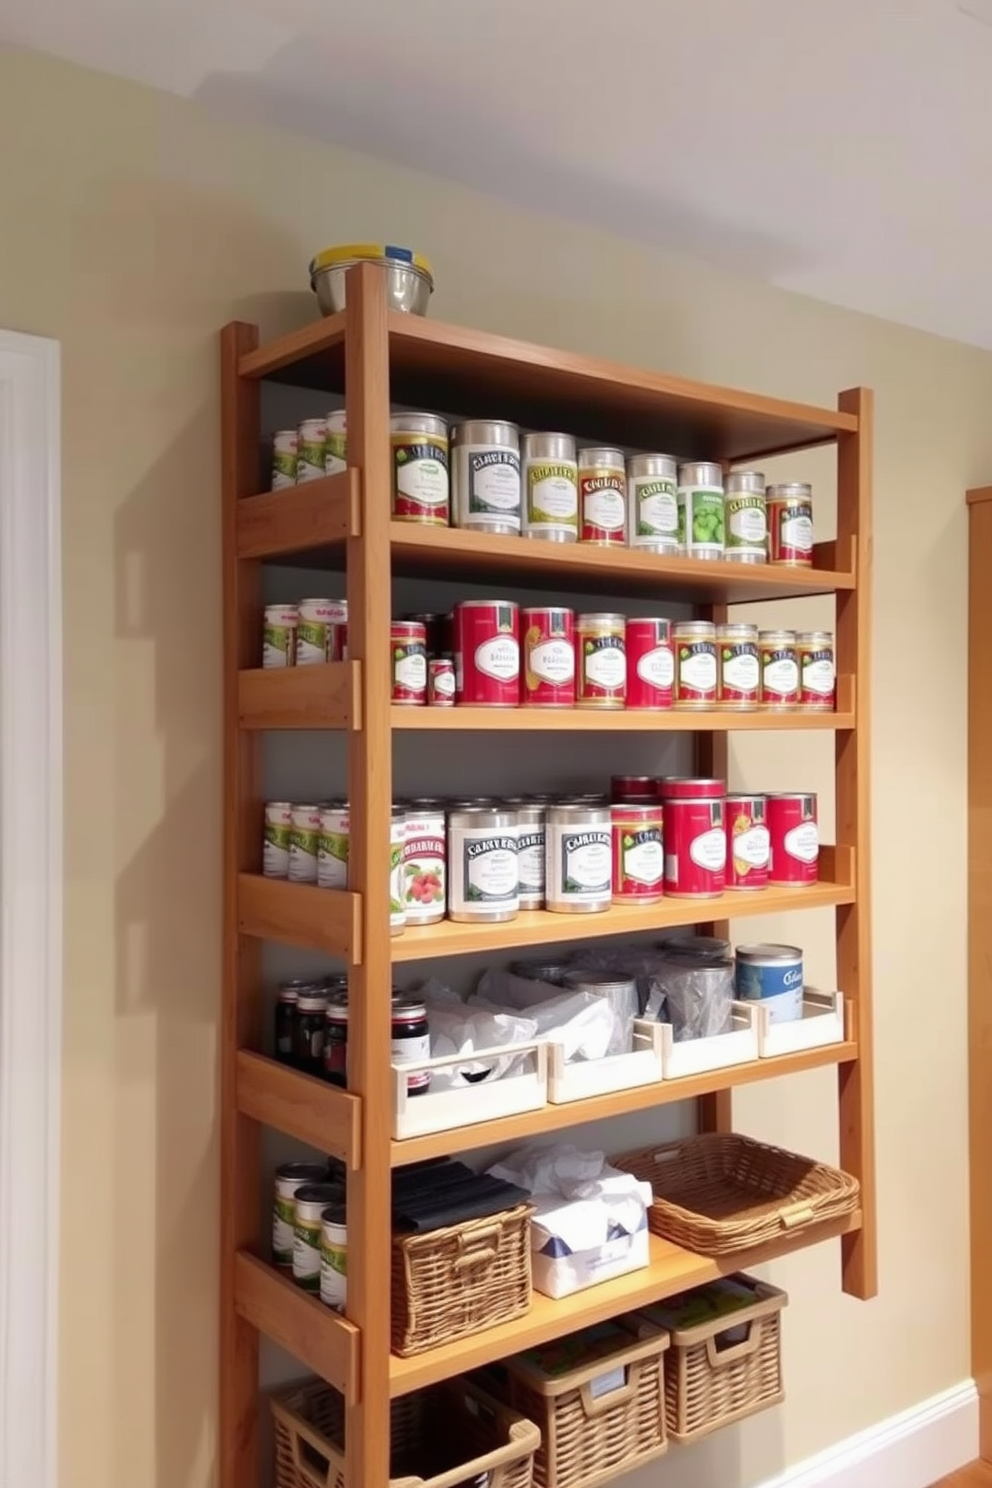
(308, 1031)
(817, 676)
(334, 1257)
(738, 670)
(779, 669)
(337, 645)
(694, 643)
(284, 457)
(315, 632)
(708, 950)
(638, 853)
(549, 970)
(548, 657)
(640, 788)
(336, 1039)
(790, 524)
(745, 519)
(602, 497)
(424, 865)
(487, 653)
(332, 845)
(550, 487)
(279, 635)
(440, 682)
(748, 843)
(602, 661)
(311, 443)
(310, 1202)
(531, 817)
(303, 844)
(397, 891)
(579, 858)
(795, 840)
(618, 991)
(288, 995)
(336, 444)
(485, 476)
(700, 498)
(650, 664)
(773, 976)
(483, 874)
(695, 841)
(408, 649)
(437, 629)
(420, 468)
(652, 503)
(411, 1041)
(289, 1179)
(275, 839)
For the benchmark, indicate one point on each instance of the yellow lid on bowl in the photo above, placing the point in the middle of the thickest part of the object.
(349, 252)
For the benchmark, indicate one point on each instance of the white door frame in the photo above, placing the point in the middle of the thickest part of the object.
(30, 906)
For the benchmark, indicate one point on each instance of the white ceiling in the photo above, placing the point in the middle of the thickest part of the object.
(837, 147)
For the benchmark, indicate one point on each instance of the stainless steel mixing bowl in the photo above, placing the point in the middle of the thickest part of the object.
(409, 282)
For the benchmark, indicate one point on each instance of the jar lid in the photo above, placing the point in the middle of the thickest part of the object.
(319, 1193)
(344, 253)
(597, 455)
(408, 1009)
(308, 1172)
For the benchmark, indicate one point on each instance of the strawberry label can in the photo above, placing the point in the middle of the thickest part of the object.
(408, 649)
(602, 661)
(424, 864)
(548, 657)
(487, 653)
(694, 838)
(638, 853)
(650, 664)
(748, 843)
(794, 840)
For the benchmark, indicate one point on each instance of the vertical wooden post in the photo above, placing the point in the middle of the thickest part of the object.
(980, 948)
(370, 795)
(239, 1212)
(853, 653)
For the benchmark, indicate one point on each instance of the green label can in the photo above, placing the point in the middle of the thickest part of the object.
(279, 635)
(311, 447)
(336, 444)
(284, 457)
(275, 841)
(745, 517)
(701, 510)
(303, 844)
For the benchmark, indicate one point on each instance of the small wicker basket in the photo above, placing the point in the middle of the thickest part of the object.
(488, 1443)
(721, 1193)
(449, 1283)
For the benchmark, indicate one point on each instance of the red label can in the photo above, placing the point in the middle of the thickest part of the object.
(650, 664)
(638, 853)
(790, 524)
(640, 788)
(408, 648)
(440, 683)
(602, 661)
(487, 653)
(695, 838)
(602, 497)
(747, 843)
(817, 677)
(548, 657)
(795, 840)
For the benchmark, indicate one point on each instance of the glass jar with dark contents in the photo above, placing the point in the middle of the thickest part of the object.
(308, 1032)
(336, 1040)
(411, 1040)
(287, 997)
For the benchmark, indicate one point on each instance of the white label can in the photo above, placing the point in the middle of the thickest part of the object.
(275, 839)
(332, 846)
(579, 858)
(701, 510)
(284, 457)
(290, 1177)
(483, 867)
(424, 866)
(279, 635)
(315, 631)
(336, 445)
(334, 1259)
(550, 487)
(303, 844)
(311, 447)
(652, 503)
(485, 476)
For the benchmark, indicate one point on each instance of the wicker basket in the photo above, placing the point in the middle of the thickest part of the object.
(720, 1193)
(714, 1377)
(602, 1417)
(484, 1442)
(452, 1282)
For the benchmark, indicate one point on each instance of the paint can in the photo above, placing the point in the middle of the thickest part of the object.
(795, 839)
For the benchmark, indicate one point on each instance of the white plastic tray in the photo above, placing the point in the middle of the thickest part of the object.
(583, 1078)
(696, 1056)
(415, 1116)
(822, 1023)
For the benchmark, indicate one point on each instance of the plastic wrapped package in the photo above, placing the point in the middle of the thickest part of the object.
(586, 1024)
(693, 997)
(456, 1027)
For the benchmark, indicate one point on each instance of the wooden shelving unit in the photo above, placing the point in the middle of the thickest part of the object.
(344, 523)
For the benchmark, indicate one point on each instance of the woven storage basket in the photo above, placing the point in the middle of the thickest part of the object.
(712, 1378)
(721, 1193)
(459, 1280)
(595, 1427)
(491, 1445)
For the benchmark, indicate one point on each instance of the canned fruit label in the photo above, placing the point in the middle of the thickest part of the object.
(424, 861)
(602, 501)
(490, 870)
(278, 645)
(409, 671)
(779, 674)
(421, 483)
(530, 862)
(552, 495)
(803, 842)
(791, 531)
(655, 510)
(740, 672)
(585, 865)
(817, 677)
(604, 666)
(335, 453)
(499, 658)
(696, 674)
(700, 519)
(440, 683)
(493, 486)
(709, 851)
(746, 523)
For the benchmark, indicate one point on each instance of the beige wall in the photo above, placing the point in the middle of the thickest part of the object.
(133, 227)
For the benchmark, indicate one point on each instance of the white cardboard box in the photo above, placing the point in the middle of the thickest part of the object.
(585, 1077)
(696, 1056)
(822, 1023)
(558, 1269)
(443, 1110)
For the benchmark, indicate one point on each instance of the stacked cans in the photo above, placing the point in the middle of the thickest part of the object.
(309, 633)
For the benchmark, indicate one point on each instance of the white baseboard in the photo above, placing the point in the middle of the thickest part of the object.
(912, 1450)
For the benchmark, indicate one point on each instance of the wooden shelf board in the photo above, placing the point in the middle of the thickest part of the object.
(540, 927)
(299, 1105)
(300, 914)
(458, 371)
(616, 1103)
(671, 1270)
(316, 1335)
(578, 720)
(317, 516)
(307, 697)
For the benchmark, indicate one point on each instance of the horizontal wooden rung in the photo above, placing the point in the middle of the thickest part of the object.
(307, 697)
(299, 1323)
(327, 920)
(299, 1105)
(317, 514)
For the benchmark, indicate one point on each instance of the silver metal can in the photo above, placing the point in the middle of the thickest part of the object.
(745, 517)
(483, 872)
(289, 1178)
(530, 850)
(550, 475)
(700, 496)
(579, 858)
(485, 476)
(652, 503)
